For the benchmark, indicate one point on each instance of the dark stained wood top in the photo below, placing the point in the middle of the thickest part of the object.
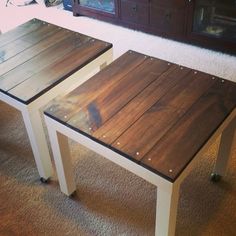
(38, 55)
(155, 113)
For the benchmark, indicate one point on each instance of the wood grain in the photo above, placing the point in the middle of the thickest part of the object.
(20, 31)
(178, 147)
(63, 109)
(225, 89)
(19, 45)
(109, 102)
(26, 70)
(32, 51)
(115, 126)
(156, 121)
(57, 71)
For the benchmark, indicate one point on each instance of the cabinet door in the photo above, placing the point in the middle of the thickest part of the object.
(134, 11)
(167, 19)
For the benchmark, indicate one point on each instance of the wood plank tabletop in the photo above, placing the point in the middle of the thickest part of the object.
(155, 113)
(37, 55)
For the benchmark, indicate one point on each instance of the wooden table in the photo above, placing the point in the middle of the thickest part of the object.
(152, 117)
(39, 61)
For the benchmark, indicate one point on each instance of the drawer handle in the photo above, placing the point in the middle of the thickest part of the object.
(134, 8)
(168, 15)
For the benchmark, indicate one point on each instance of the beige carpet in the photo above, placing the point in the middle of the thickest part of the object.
(109, 200)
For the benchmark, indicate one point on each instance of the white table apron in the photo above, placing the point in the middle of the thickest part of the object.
(32, 114)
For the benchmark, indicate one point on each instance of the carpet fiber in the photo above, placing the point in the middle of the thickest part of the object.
(109, 200)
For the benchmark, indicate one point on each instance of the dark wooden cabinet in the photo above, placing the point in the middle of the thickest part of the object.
(134, 12)
(207, 23)
(167, 20)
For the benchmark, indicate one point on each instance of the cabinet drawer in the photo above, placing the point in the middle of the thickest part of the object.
(134, 11)
(169, 3)
(169, 20)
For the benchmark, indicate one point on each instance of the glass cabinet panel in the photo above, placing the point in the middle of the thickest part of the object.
(216, 18)
(101, 5)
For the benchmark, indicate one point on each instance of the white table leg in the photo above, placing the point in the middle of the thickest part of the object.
(35, 130)
(62, 158)
(166, 211)
(225, 147)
